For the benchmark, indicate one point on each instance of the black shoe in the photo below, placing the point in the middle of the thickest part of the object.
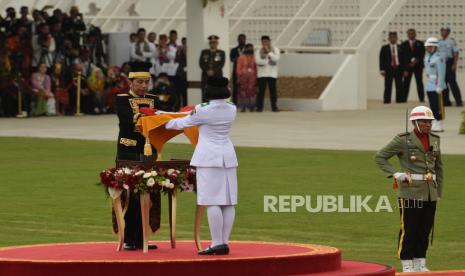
(459, 104)
(129, 247)
(221, 249)
(259, 110)
(387, 102)
(275, 109)
(151, 247)
(447, 104)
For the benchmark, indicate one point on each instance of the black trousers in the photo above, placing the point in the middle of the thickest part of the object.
(434, 104)
(418, 73)
(396, 76)
(452, 84)
(234, 86)
(262, 83)
(417, 219)
(181, 90)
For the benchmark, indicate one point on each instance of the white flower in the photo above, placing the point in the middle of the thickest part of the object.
(127, 171)
(147, 175)
(178, 171)
(171, 171)
(170, 186)
(120, 171)
(150, 182)
(126, 187)
(154, 173)
(165, 183)
(141, 172)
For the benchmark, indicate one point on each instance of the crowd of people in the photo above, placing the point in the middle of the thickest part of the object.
(47, 62)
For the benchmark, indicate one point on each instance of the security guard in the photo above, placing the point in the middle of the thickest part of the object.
(450, 52)
(420, 183)
(435, 69)
(131, 144)
(211, 62)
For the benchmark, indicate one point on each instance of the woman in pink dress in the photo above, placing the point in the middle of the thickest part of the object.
(44, 100)
(246, 71)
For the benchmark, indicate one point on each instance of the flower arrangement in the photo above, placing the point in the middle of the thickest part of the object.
(139, 180)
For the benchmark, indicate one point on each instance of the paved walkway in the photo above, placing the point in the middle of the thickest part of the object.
(348, 130)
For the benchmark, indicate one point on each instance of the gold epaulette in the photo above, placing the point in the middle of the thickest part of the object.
(122, 95)
(153, 95)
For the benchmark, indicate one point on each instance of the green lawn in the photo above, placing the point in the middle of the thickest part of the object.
(48, 194)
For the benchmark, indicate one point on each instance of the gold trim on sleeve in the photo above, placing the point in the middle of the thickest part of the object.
(128, 142)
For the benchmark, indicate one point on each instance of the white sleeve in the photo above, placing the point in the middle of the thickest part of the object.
(172, 53)
(195, 119)
(259, 60)
(275, 54)
(151, 52)
(133, 53)
(52, 46)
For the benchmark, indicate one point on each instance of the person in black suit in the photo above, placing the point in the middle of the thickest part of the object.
(414, 54)
(391, 66)
(233, 56)
(131, 146)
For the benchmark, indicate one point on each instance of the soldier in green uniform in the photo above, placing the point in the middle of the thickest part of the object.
(211, 62)
(419, 182)
(129, 107)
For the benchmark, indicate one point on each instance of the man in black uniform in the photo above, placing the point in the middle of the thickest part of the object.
(391, 67)
(211, 62)
(129, 107)
(234, 56)
(414, 54)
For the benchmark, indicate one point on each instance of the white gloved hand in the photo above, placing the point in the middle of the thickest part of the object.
(439, 90)
(158, 112)
(401, 177)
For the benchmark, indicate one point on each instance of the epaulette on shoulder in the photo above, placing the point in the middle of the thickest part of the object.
(435, 135)
(123, 95)
(149, 94)
(403, 134)
(204, 104)
(231, 103)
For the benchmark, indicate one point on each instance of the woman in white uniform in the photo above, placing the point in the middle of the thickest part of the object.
(215, 161)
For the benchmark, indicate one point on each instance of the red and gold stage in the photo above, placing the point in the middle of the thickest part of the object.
(246, 258)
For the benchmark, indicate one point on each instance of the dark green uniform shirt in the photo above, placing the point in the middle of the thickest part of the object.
(414, 160)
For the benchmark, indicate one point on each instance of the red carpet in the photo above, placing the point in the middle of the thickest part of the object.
(246, 258)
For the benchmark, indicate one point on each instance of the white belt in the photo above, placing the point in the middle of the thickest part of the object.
(421, 177)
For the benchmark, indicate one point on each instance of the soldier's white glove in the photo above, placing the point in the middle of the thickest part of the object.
(439, 90)
(401, 177)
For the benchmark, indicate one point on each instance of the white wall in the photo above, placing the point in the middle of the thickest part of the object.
(309, 65)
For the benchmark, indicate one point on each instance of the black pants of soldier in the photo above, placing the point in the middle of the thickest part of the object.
(418, 73)
(434, 104)
(396, 76)
(417, 219)
(235, 86)
(262, 83)
(181, 90)
(452, 85)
